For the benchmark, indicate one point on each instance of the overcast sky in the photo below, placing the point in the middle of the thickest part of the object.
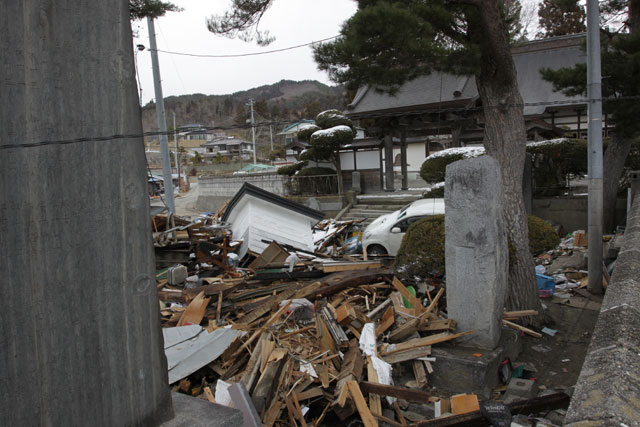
(292, 22)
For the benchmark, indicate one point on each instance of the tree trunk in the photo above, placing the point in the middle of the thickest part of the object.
(613, 162)
(505, 139)
(338, 166)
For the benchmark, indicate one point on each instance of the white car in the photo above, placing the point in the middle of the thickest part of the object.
(384, 235)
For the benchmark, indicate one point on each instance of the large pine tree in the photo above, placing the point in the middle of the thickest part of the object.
(561, 17)
(386, 43)
(620, 90)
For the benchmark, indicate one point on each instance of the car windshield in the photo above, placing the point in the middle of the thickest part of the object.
(403, 211)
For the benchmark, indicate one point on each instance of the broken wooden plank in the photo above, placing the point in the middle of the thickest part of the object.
(195, 311)
(419, 372)
(519, 313)
(521, 328)
(426, 341)
(361, 405)
(415, 302)
(374, 399)
(332, 267)
(388, 319)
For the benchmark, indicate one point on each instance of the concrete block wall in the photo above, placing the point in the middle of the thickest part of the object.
(609, 385)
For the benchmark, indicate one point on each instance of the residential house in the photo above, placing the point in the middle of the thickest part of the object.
(229, 147)
(256, 216)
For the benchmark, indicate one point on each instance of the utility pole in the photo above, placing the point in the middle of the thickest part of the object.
(175, 141)
(594, 92)
(271, 137)
(162, 120)
(253, 131)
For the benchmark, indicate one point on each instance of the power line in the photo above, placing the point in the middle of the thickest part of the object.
(238, 55)
(381, 114)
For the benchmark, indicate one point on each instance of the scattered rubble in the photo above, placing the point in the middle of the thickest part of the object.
(319, 336)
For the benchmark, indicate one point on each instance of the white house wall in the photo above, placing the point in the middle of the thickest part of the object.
(364, 159)
(253, 220)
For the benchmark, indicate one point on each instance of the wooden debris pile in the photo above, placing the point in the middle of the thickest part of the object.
(338, 238)
(301, 355)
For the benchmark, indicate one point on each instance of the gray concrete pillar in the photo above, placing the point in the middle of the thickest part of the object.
(475, 249)
(388, 163)
(403, 159)
(80, 338)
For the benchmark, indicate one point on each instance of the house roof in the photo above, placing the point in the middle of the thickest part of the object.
(447, 90)
(230, 140)
(291, 127)
(248, 189)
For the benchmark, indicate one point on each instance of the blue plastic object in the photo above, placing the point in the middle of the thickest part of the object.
(546, 285)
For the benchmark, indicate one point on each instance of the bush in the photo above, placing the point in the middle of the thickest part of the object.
(554, 160)
(314, 171)
(291, 169)
(435, 192)
(421, 253)
(542, 236)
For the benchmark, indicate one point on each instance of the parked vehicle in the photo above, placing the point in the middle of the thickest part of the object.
(384, 235)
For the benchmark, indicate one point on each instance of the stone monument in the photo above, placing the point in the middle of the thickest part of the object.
(476, 249)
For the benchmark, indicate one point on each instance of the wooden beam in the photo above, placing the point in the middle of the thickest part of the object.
(415, 302)
(408, 394)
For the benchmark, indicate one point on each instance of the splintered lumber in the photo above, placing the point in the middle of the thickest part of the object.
(374, 399)
(326, 341)
(408, 354)
(361, 405)
(419, 372)
(310, 394)
(521, 328)
(268, 379)
(415, 302)
(264, 327)
(335, 330)
(352, 367)
(387, 320)
(253, 366)
(426, 341)
(195, 311)
(345, 314)
(408, 394)
(266, 307)
(412, 325)
(225, 287)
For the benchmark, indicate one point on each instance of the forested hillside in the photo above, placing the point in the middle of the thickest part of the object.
(283, 101)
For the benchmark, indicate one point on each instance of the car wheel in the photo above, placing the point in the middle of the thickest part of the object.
(376, 250)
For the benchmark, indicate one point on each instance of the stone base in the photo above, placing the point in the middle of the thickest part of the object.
(193, 412)
(457, 370)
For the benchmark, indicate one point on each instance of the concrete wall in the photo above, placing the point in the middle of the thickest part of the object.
(609, 385)
(80, 337)
(571, 212)
(215, 191)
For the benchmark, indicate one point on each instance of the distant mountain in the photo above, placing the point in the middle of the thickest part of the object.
(283, 101)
